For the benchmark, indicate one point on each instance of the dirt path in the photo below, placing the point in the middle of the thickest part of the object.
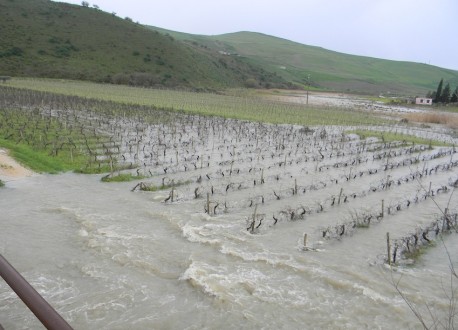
(10, 169)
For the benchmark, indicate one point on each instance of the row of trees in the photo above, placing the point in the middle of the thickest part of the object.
(444, 94)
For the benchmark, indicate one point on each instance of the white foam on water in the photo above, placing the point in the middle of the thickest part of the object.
(271, 258)
(244, 284)
(203, 276)
(154, 268)
(199, 234)
(368, 292)
(159, 197)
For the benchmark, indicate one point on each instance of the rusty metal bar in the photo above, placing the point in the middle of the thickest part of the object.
(34, 301)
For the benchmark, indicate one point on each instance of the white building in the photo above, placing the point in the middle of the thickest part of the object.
(423, 101)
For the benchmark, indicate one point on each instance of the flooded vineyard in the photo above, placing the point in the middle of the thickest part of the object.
(232, 224)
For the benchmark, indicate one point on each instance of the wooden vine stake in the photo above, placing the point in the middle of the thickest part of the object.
(388, 248)
(340, 195)
(254, 213)
(253, 220)
(305, 247)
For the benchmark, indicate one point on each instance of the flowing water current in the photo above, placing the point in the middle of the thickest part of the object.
(109, 258)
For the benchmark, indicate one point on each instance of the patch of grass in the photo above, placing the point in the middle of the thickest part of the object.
(2, 184)
(392, 137)
(86, 169)
(418, 252)
(362, 225)
(122, 177)
(37, 160)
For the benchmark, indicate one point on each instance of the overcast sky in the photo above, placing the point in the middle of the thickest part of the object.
(424, 31)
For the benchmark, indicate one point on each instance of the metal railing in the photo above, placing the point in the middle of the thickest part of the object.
(34, 301)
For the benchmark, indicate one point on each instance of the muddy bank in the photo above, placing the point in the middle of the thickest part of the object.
(10, 169)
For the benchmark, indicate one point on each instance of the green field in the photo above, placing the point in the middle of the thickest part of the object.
(240, 107)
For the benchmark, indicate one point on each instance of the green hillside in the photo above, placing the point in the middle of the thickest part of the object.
(41, 38)
(327, 69)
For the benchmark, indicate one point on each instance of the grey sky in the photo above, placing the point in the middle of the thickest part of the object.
(422, 31)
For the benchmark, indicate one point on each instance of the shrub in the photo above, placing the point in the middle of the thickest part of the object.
(14, 51)
(251, 83)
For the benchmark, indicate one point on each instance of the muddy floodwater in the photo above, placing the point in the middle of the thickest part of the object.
(225, 249)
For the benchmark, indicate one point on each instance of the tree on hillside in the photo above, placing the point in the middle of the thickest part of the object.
(85, 4)
(454, 97)
(445, 96)
(439, 92)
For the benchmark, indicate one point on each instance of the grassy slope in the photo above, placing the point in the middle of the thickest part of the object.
(47, 39)
(340, 71)
(327, 69)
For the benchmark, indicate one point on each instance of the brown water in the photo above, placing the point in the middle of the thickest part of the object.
(109, 258)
